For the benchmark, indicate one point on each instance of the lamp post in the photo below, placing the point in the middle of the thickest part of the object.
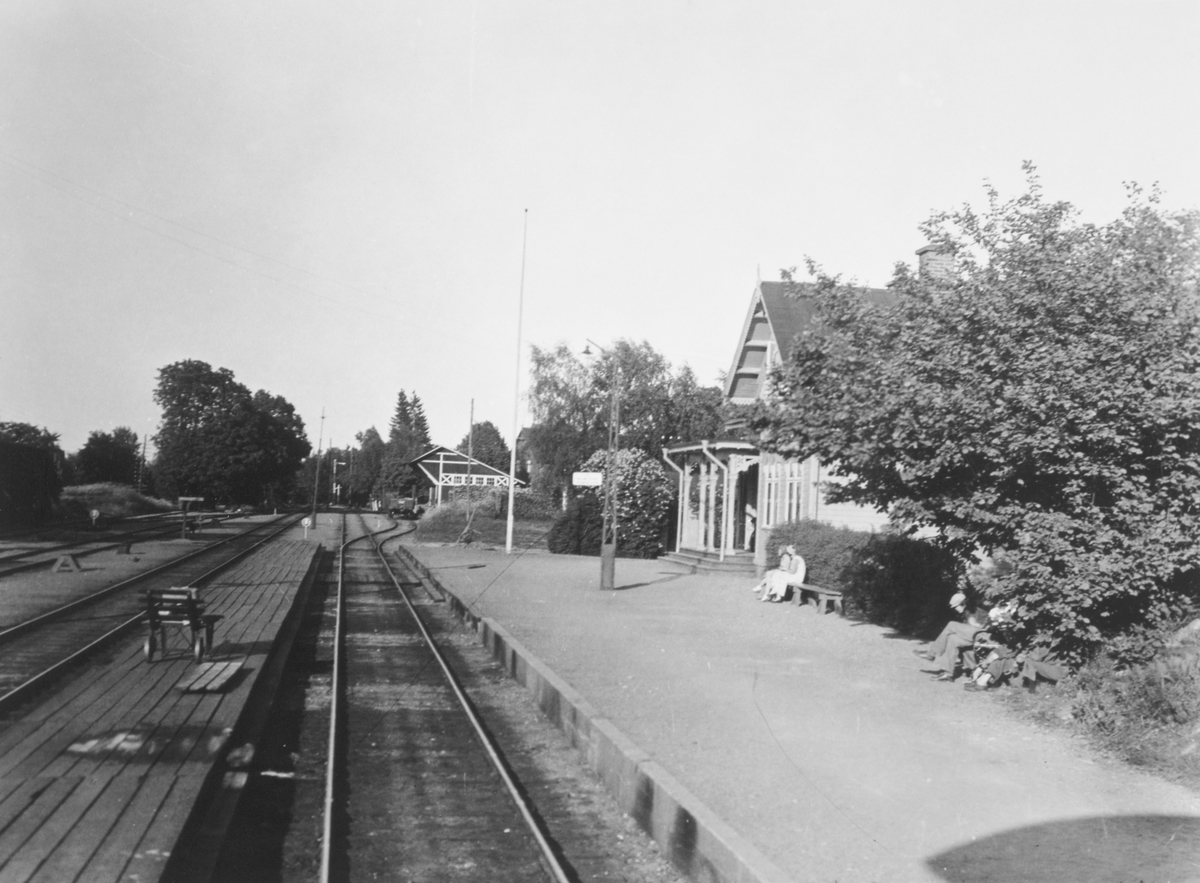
(608, 535)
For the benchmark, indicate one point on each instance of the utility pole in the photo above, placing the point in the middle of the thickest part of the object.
(317, 474)
(512, 457)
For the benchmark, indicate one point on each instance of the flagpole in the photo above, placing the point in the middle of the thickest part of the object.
(512, 457)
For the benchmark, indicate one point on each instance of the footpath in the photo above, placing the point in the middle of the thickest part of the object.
(765, 742)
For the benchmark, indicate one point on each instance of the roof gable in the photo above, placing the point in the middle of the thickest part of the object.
(778, 312)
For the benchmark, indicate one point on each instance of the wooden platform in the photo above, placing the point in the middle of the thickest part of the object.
(97, 781)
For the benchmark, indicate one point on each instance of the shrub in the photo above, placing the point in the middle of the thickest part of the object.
(112, 500)
(888, 579)
(903, 583)
(577, 530)
(827, 551)
(528, 505)
(644, 497)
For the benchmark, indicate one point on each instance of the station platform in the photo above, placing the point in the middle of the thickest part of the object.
(766, 742)
(98, 779)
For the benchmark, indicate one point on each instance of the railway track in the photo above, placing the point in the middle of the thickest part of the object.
(37, 650)
(451, 801)
(27, 556)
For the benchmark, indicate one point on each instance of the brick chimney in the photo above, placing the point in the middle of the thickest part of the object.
(934, 263)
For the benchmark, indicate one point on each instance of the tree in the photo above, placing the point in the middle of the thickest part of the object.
(643, 497)
(1039, 398)
(218, 440)
(570, 402)
(28, 434)
(420, 427)
(108, 457)
(365, 465)
(487, 446)
(408, 438)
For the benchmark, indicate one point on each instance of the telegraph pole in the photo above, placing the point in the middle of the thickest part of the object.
(317, 475)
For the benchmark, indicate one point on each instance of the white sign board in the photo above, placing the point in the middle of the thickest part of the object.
(587, 479)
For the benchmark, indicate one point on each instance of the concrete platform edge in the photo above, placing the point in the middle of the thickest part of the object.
(692, 836)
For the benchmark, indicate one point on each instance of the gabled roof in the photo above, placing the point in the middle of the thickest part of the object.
(449, 461)
(790, 308)
(778, 312)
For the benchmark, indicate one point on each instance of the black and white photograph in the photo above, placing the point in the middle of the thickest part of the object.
(642, 442)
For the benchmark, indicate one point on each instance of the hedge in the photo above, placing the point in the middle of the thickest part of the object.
(888, 579)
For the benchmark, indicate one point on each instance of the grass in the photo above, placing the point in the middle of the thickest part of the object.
(1148, 716)
(446, 523)
(112, 500)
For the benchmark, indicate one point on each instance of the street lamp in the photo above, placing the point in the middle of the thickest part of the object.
(608, 535)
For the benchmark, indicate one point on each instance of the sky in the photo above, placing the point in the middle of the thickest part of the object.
(338, 201)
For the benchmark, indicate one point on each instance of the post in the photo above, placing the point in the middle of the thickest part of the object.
(317, 475)
(512, 456)
(608, 538)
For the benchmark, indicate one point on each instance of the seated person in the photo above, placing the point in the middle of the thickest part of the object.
(1040, 662)
(957, 636)
(996, 663)
(790, 572)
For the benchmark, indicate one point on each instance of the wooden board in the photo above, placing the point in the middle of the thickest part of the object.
(210, 677)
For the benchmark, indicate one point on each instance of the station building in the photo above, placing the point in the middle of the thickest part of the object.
(763, 489)
(445, 470)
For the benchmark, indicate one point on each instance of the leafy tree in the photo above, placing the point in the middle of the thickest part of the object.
(644, 498)
(564, 408)
(570, 402)
(108, 457)
(28, 434)
(1038, 398)
(218, 440)
(487, 446)
(365, 465)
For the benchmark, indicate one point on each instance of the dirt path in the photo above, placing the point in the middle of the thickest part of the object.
(821, 741)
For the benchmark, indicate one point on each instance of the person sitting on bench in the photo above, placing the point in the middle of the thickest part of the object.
(790, 572)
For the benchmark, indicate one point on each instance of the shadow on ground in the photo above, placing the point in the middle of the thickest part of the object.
(1097, 849)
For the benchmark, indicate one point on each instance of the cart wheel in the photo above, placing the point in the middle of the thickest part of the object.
(198, 646)
(149, 647)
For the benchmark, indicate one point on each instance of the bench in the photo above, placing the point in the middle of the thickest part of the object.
(179, 608)
(823, 599)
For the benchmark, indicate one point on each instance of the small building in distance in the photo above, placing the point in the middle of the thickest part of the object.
(763, 489)
(444, 469)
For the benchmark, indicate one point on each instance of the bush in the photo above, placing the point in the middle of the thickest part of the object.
(528, 505)
(903, 583)
(827, 551)
(887, 579)
(644, 497)
(112, 501)
(577, 531)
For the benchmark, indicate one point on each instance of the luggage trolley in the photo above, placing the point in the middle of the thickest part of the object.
(182, 609)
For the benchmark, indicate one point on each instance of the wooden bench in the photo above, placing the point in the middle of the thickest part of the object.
(823, 599)
(179, 608)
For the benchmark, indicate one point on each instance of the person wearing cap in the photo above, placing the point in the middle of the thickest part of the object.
(957, 636)
(791, 571)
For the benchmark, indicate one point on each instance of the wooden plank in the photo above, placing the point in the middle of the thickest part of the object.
(18, 800)
(213, 678)
(36, 812)
(162, 771)
(158, 840)
(108, 862)
(54, 829)
(68, 861)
